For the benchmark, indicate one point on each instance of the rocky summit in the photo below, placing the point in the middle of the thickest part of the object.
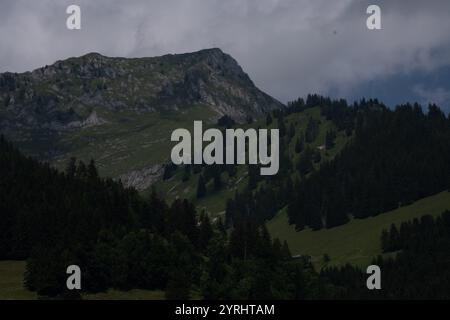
(104, 108)
(66, 93)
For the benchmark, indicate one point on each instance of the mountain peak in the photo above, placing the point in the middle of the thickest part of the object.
(69, 90)
(93, 55)
(212, 51)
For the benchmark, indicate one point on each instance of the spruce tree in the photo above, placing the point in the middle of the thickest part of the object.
(178, 287)
(299, 144)
(217, 181)
(186, 173)
(291, 132)
(205, 232)
(201, 187)
(286, 251)
(268, 119)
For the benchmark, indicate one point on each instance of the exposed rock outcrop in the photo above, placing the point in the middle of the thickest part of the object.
(142, 179)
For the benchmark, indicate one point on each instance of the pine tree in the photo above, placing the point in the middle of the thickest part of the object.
(312, 130)
(394, 238)
(187, 173)
(201, 187)
(281, 125)
(265, 242)
(217, 181)
(329, 139)
(286, 252)
(385, 246)
(268, 119)
(291, 133)
(253, 176)
(220, 226)
(178, 287)
(299, 144)
(205, 232)
(7, 100)
(305, 165)
(317, 156)
(92, 170)
(71, 167)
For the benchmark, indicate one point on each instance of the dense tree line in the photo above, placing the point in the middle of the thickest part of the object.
(265, 196)
(420, 270)
(396, 157)
(418, 234)
(123, 240)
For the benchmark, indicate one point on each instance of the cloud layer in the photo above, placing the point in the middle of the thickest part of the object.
(289, 47)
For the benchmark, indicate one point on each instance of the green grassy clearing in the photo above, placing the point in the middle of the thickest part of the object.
(11, 281)
(356, 242)
(12, 288)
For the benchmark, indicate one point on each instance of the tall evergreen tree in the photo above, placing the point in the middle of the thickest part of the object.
(201, 187)
(268, 119)
(299, 144)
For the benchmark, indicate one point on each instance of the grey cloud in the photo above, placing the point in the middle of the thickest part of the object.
(289, 47)
(438, 95)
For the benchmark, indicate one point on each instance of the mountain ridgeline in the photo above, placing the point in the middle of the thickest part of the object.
(76, 107)
(61, 94)
(201, 230)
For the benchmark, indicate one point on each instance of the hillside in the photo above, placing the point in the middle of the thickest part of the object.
(125, 241)
(356, 242)
(115, 109)
(184, 185)
(335, 163)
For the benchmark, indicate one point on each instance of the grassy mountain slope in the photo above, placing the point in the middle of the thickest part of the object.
(356, 242)
(214, 202)
(128, 141)
(115, 110)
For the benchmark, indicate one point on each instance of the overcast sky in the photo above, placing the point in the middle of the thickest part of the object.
(288, 47)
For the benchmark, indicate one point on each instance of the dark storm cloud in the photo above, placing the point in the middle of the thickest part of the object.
(289, 47)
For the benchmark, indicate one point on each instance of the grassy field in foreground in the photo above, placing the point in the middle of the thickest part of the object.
(135, 294)
(11, 287)
(11, 281)
(356, 242)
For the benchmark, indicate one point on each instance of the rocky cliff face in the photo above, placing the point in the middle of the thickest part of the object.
(69, 98)
(70, 90)
(142, 179)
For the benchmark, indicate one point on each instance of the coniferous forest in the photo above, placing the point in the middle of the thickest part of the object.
(394, 158)
(225, 159)
(418, 271)
(123, 239)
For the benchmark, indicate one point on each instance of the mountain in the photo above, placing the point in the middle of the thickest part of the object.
(338, 162)
(109, 109)
(123, 240)
(184, 180)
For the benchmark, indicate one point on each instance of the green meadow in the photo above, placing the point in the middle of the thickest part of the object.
(356, 242)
